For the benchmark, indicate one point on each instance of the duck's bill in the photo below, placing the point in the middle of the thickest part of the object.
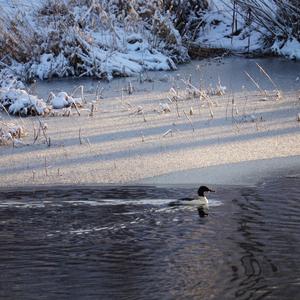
(211, 190)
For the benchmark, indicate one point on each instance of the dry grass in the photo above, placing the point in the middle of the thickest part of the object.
(17, 39)
(281, 20)
(64, 27)
(11, 133)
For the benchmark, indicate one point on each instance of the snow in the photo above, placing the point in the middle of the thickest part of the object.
(17, 101)
(11, 6)
(289, 48)
(107, 48)
(127, 59)
(20, 102)
(49, 66)
(59, 101)
(62, 99)
(217, 33)
(120, 145)
(246, 173)
(127, 138)
(165, 107)
(8, 80)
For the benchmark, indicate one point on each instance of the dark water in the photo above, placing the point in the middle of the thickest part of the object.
(126, 243)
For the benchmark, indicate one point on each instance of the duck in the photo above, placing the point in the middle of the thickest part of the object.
(200, 202)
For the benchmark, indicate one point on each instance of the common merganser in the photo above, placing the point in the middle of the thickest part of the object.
(200, 202)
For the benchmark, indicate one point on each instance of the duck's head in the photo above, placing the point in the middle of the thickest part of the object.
(203, 189)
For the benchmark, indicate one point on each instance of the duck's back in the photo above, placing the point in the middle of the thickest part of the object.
(199, 201)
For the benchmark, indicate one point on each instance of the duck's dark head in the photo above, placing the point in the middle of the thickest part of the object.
(203, 189)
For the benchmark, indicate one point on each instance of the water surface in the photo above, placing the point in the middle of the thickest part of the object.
(127, 243)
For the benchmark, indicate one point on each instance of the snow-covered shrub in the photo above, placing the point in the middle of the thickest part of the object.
(186, 15)
(62, 100)
(168, 38)
(173, 24)
(9, 80)
(17, 38)
(100, 38)
(19, 102)
(280, 21)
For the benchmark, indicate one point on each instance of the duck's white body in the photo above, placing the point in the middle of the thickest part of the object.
(199, 201)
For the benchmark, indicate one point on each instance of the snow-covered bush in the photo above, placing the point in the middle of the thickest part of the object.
(100, 38)
(168, 38)
(280, 22)
(9, 80)
(62, 100)
(19, 102)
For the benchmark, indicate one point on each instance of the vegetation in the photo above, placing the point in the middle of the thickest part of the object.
(119, 38)
(281, 19)
(82, 37)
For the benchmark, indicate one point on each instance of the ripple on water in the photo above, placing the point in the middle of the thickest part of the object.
(127, 243)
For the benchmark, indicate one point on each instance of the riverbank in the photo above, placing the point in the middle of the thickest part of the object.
(131, 137)
(107, 40)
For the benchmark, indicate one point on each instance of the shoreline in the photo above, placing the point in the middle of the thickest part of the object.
(245, 173)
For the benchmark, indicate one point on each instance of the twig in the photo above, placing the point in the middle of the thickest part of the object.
(35, 135)
(92, 110)
(232, 107)
(3, 107)
(130, 88)
(48, 140)
(81, 92)
(189, 119)
(88, 142)
(267, 75)
(99, 92)
(75, 105)
(46, 166)
(170, 131)
(144, 116)
(80, 139)
(256, 84)
(210, 109)
(177, 107)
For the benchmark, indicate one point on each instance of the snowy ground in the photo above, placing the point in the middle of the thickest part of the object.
(218, 33)
(130, 138)
(12, 5)
(130, 51)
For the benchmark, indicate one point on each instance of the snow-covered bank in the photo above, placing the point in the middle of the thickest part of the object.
(130, 137)
(90, 38)
(106, 39)
(218, 30)
(261, 27)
